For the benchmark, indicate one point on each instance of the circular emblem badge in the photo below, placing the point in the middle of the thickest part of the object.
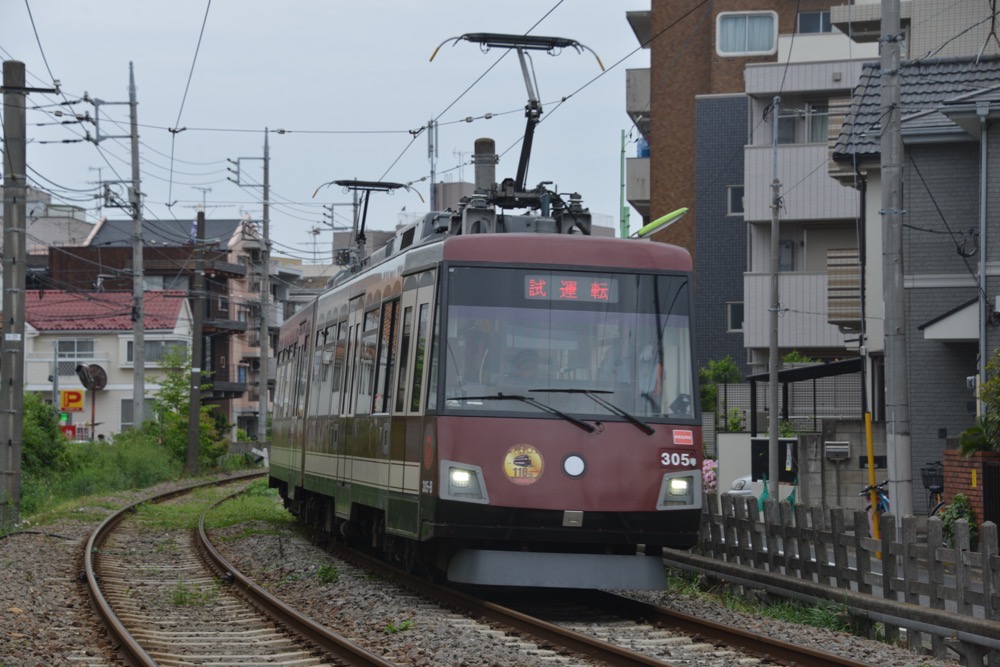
(523, 464)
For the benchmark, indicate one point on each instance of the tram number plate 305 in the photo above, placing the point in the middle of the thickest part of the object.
(676, 459)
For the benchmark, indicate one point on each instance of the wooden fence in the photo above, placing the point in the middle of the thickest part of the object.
(832, 547)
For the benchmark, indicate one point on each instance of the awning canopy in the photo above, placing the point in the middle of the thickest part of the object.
(958, 324)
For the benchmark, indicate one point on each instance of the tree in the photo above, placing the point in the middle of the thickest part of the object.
(44, 444)
(723, 371)
(170, 405)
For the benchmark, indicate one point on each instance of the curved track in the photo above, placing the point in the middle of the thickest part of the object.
(163, 606)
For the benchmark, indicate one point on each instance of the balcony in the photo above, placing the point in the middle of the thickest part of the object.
(224, 388)
(214, 325)
(226, 269)
(637, 98)
(807, 191)
(637, 184)
(804, 320)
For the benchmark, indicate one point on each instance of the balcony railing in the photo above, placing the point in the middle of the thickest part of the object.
(803, 321)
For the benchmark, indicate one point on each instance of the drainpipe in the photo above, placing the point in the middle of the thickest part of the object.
(982, 109)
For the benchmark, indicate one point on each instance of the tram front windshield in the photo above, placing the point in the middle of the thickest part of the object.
(585, 343)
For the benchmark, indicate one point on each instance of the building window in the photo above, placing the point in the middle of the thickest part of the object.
(155, 350)
(810, 22)
(224, 304)
(734, 316)
(817, 123)
(72, 351)
(127, 412)
(746, 33)
(734, 200)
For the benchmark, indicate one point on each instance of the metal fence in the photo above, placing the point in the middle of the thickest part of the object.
(803, 404)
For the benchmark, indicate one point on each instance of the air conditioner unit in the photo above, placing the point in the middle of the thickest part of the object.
(837, 451)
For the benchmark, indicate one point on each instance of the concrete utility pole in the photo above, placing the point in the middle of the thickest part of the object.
(138, 283)
(198, 316)
(14, 257)
(897, 390)
(265, 293)
(12, 359)
(265, 286)
(772, 357)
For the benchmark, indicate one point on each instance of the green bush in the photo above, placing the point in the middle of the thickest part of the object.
(959, 508)
(44, 445)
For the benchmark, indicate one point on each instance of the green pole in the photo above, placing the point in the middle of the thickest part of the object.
(623, 220)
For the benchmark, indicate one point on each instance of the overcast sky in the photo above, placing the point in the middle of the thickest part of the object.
(347, 81)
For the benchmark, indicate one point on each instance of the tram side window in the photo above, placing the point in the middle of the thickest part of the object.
(404, 358)
(318, 374)
(432, 388)
(339, 354)
(279, 382)
(321, 398)
(303, 372)
(366, 362)
(420, 357)
(349, 366)
(386, 346)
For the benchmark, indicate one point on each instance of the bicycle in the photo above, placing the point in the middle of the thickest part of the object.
(933, 478)
(881, 506)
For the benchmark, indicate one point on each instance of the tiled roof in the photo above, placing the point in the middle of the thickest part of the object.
(55, 310)
(925, 87)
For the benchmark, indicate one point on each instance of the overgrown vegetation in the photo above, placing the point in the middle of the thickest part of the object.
(55, 471)
(796, 357)
(828, 616)
(984, 436)
(959, 508)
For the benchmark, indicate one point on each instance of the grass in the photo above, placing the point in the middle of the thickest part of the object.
(94, 469)
(828, 616)
(259, 503)
(184, 595)
(392, 628)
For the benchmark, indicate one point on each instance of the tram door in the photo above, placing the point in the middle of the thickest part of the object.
(347, 449)
(412, 389)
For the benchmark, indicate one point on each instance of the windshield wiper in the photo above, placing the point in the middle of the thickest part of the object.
(530, 401)
(593, 393)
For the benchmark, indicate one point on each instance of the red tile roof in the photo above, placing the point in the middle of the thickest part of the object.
(55, 310)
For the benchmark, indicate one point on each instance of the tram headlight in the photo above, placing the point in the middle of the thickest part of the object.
(462, 482)
(680, 490)
(459, 478)
(679, 486)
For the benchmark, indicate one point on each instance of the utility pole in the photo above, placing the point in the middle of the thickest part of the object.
(14, 258)
(197, 325)
(138, 283)
(432, 153)
(265, 293)
(623, 221)
(897, 390)
(772, 357)
(265, 287)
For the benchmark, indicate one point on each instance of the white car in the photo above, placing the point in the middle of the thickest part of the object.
(745, 486)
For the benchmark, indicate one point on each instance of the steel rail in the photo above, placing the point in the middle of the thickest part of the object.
(335, 644)
(128, 647)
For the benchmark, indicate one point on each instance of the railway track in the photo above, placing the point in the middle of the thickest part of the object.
(163, 604)
(168, 597)
(612, 629)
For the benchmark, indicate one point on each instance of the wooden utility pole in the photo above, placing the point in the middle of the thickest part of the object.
(198, 317)
(897, 392)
